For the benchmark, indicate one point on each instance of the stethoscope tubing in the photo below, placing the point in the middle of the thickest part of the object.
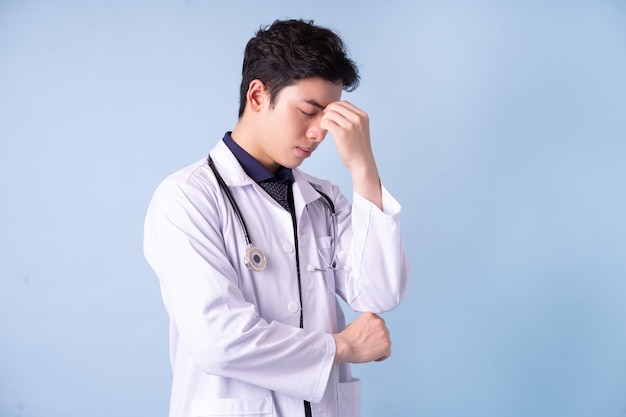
(255, 258)
(229, 195)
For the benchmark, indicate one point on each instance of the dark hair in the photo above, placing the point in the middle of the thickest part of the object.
(288, 51)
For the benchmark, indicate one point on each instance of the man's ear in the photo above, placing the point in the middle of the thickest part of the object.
(258, 95)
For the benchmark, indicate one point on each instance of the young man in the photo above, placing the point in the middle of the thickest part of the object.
(251, 252)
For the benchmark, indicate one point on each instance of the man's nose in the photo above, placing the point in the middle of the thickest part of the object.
(316, 133)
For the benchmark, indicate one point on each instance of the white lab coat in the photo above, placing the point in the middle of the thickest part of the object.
(235, 342)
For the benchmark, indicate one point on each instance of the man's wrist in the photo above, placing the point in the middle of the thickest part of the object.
(341, 349)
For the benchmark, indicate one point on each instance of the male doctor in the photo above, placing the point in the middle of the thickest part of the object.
(251, 252)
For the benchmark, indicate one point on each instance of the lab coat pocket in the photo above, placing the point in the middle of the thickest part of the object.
(324, 259)
(324, 252)
(229, 407)
(324, 246)
(349, 398)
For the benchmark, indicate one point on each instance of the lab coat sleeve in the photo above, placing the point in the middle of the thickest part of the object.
(223, 332)
(371, 244)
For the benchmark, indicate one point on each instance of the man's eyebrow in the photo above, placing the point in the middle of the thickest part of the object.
(315, 103)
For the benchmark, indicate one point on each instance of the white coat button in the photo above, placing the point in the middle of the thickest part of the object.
(287, 247)
(293, 307)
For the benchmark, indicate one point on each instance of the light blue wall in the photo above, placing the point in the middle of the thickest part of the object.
(500, 126)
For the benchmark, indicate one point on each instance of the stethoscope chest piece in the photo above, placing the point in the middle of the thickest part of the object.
(255, 259)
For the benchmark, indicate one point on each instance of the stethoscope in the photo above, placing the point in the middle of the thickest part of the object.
(254, 258)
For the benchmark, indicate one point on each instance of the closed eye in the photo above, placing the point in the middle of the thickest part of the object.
(309, 104)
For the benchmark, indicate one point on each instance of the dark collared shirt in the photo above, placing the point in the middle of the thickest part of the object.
(253, 168)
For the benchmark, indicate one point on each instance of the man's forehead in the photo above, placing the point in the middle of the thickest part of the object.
(320, 98)
(314, 91)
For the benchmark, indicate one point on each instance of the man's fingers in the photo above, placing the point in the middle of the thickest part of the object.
(343, 114)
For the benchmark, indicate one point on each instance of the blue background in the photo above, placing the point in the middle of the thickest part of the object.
(499, 125)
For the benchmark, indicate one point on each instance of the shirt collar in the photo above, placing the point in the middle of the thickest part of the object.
(252, 167)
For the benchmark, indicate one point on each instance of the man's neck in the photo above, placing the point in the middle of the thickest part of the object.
(249, 138)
